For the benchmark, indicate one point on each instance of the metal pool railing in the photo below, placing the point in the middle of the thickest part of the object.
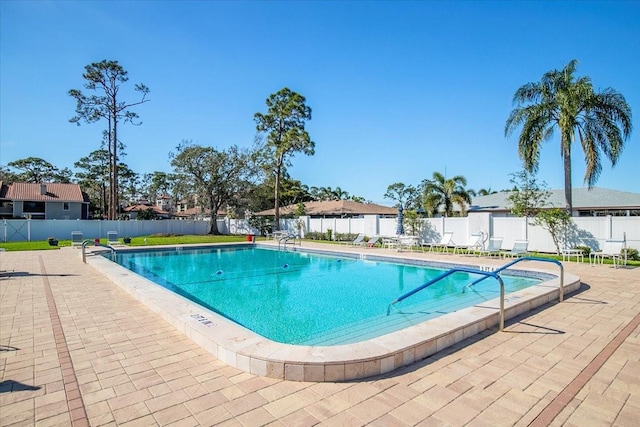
(84, 248)
(288, 239)
(527, 258)
(450, 272)
(484, 274)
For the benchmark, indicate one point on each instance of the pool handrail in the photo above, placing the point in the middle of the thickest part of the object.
(527, 258)
(450, 272)
(286, 239)
(87, 241)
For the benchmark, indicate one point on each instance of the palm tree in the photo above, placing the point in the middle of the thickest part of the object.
(340, 194)
(442, 192)
(600, 120)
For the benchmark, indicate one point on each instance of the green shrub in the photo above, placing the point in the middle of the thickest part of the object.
(586, 250)
(314, 235)
(632, 254)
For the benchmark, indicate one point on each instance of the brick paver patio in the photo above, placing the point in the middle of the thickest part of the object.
(77, 350)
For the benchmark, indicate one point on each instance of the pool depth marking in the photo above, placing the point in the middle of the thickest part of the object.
(203, 320)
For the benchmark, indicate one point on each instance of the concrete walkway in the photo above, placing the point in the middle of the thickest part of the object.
(77, 350)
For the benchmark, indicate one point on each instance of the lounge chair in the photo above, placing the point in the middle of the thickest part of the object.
(355, 242)
(613, 249)
(493, 248)
(371, 242)
(520, 248)
(474, 243)
(76, 239)
(443, 244)
(112, 238)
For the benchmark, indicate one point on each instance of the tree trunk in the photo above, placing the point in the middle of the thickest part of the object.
(107, 211)
(114, 190)
(567, 178)
(276, 226)
(213, 217)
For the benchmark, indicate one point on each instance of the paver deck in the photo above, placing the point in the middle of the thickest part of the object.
(75, 349)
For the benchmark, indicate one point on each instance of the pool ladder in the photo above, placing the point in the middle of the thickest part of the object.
(84, 248)
(485, 274)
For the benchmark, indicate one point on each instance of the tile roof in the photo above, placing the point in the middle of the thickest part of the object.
(45, 192)
(198, 211)
(335, 207)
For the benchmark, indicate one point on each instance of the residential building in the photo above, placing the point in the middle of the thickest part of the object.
(165, 203)
(132, 211)
(593, 202)
(43, 201)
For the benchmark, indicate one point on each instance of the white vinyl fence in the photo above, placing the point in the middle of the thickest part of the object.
(16, 230)
(590, 231)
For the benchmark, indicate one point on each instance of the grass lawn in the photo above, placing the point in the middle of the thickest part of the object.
(154, 240)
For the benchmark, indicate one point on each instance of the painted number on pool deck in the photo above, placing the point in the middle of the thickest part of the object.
(200, 318)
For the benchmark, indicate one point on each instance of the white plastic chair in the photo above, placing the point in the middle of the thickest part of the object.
(520, 248)
(112, 238)
(355, 242)
(76, 239)
(493, 248)
(474, 242)
(613, 249)
(443, 244)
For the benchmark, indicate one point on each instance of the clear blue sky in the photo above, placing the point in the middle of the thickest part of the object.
(398, 89)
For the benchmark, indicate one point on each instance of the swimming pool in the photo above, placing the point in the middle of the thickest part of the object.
(251, 352)
(311, 299)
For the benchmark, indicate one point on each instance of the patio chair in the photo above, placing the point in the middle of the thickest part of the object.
(473, 243)
(390, 242)
(112, 238)
(613, 249)
(371, 242)
(520, 248)
(443, 244)
(407, 242)
(493, 248)
(355, 242)
(76, 239)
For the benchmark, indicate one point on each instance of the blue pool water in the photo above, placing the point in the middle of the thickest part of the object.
(311, 299)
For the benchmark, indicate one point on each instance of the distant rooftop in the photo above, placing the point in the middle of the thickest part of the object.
(61, 192)
(335, 208)
(583, 200)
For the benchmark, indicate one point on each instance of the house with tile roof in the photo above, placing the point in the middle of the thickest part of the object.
(335, 209)
(43, 201)
(586, 202)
